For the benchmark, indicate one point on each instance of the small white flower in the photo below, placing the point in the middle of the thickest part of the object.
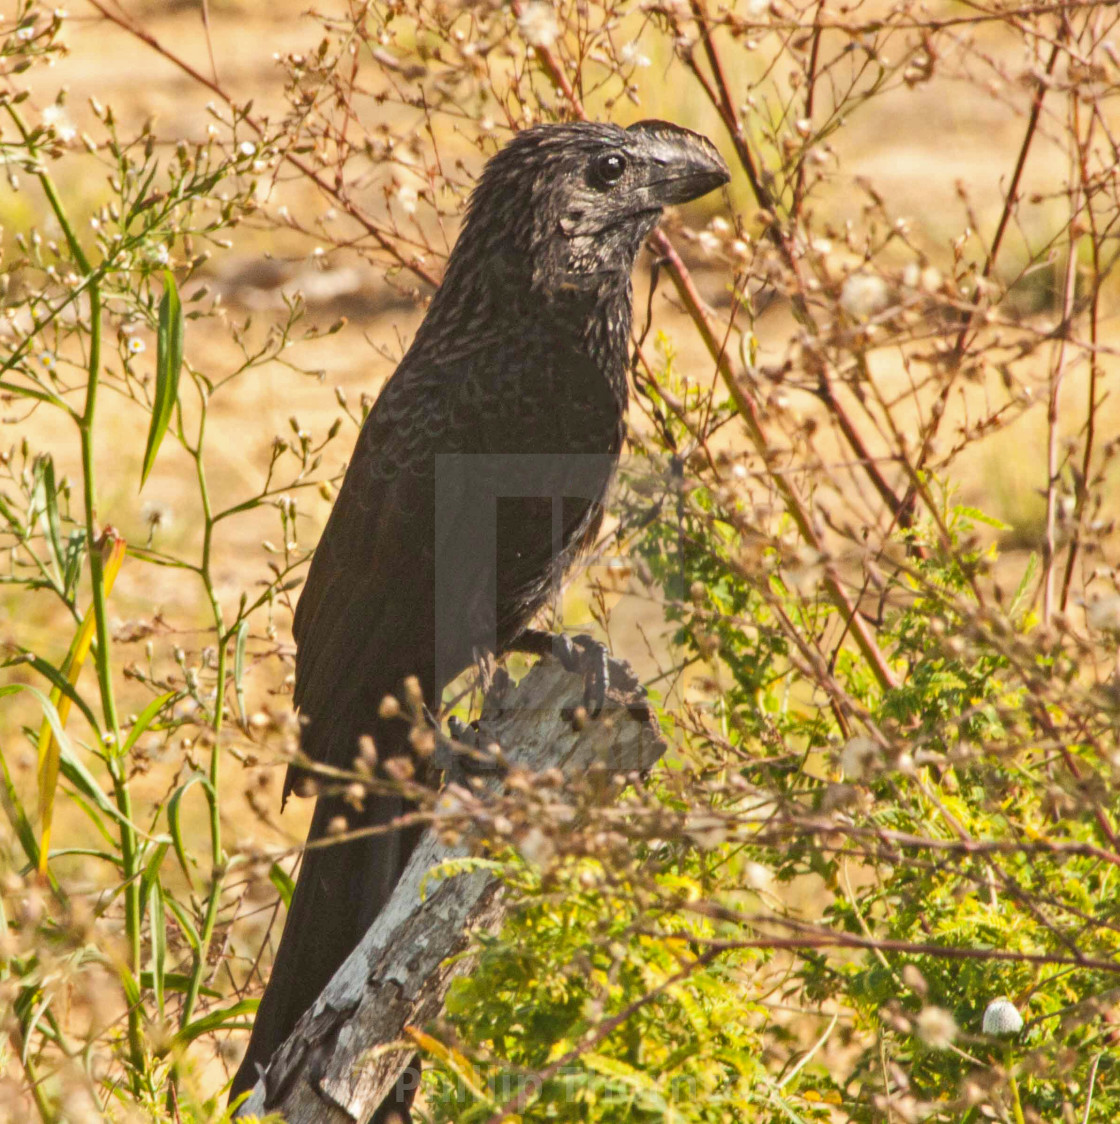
(247, 148)
(1002, 1018)
(860, 758)
(157, 254)
(927, 280)
(407, 198)
(936, 1027)
(709, 242)
(48, 360)
(537, 24)
(136, 346)
(58, 121)
(632, 56)
(864, 294)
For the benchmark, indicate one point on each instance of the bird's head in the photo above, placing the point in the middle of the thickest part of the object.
(564, 206)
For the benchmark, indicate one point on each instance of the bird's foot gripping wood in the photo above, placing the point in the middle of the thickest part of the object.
(463, 752)
(580, 654)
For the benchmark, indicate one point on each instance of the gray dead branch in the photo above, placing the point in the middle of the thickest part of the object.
(346, 1053)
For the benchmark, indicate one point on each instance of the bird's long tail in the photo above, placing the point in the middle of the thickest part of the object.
(341, 888)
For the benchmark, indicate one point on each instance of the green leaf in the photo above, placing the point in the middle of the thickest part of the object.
(1025, 589)
(177, 981)
(45, 504)
(130, 986)
(147, 716)
(215, 1020)
(151, 867)
(159, 940)
(169, 362)
(173, 818)
(83, 780)
(94, 814)
(975, 515)
(239, 667)
(185, 923)
(9, 797)
(283, 882)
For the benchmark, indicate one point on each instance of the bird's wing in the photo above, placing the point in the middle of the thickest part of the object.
(359, 622)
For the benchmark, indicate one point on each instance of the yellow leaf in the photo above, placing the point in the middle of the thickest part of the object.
(112, 548)
(452, 1058)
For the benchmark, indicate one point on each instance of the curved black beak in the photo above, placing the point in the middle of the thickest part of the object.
(683, 165)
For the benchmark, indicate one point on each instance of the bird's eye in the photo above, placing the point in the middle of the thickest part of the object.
(608, 168)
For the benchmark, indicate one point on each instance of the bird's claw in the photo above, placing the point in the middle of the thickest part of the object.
(589, 657)
(461, 753)
(465, 733)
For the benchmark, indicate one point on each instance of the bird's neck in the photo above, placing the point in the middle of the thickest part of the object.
(485, 293)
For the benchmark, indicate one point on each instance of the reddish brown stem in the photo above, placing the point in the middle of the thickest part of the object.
(748, 411)
(383, 240)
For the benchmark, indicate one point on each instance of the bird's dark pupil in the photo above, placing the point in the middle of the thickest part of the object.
(610, 168)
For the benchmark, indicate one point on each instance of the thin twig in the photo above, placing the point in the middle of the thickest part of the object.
(1057, 377)
(383, 240)
(748, 411)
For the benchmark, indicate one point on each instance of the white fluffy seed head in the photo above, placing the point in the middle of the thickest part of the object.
(537, 24)
(1002, 1018)
(864, 294)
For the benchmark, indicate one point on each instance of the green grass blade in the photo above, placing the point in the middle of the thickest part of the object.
(157, 923)
(185, 923)
(148, 716)
(175, 827)
(215, 1020)
(17, 817)
(283, 882)
(83, 780)
(176, 981)
(151, 867)
(169, 363)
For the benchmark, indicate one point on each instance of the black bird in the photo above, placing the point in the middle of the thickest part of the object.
(478, 477)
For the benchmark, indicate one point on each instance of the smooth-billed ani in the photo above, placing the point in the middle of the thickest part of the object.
(477, 478)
